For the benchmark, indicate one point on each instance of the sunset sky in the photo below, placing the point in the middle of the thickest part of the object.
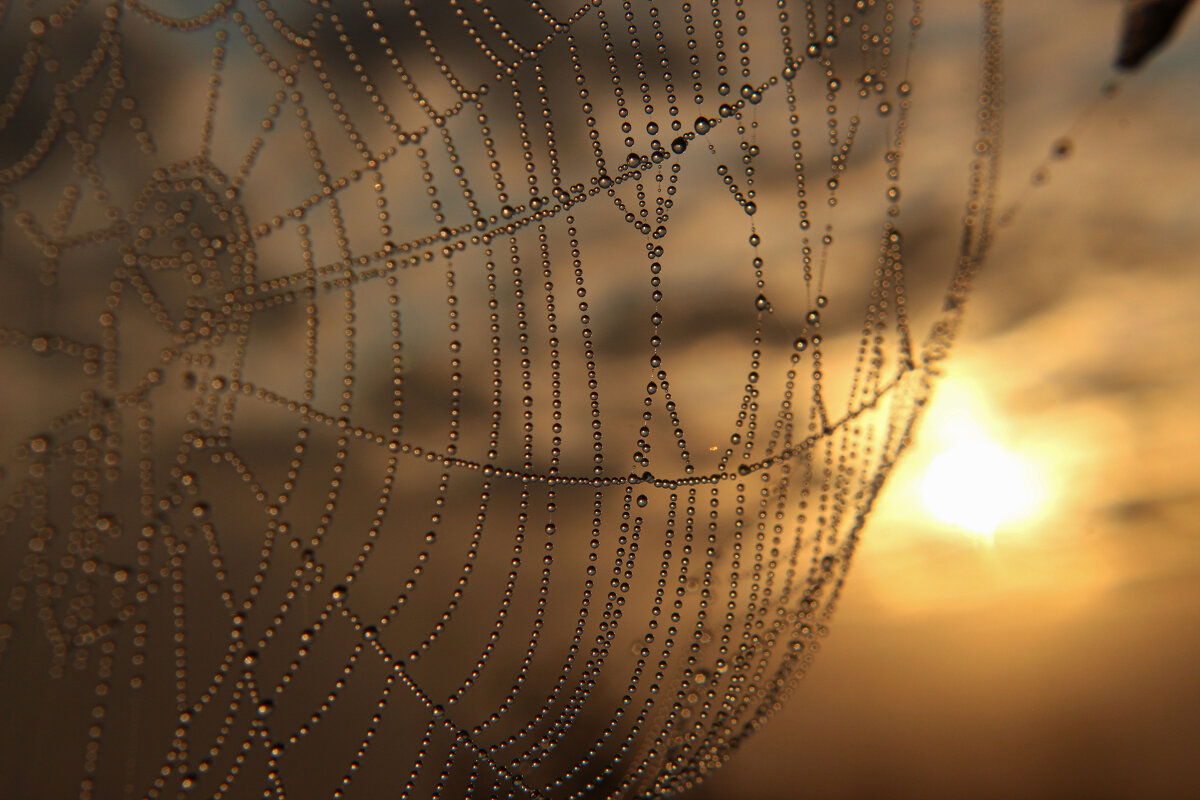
(1054, 653)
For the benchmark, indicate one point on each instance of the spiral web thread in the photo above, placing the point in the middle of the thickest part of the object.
(329, 473)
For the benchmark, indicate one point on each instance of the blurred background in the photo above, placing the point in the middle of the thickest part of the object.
(1023, 617)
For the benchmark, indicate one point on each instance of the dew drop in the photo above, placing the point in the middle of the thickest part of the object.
(762, 303)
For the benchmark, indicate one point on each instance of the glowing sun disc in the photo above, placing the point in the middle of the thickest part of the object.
(978, 486)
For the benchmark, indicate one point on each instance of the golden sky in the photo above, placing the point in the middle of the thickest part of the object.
(1054, 653)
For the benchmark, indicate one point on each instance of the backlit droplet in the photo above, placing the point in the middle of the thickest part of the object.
(762, 303)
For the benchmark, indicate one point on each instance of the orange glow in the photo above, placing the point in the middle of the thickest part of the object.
(978, 486)
(972, 482)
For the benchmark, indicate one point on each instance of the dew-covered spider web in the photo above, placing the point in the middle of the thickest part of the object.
(447, 399)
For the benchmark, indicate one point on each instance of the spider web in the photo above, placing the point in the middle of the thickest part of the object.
(445, 399)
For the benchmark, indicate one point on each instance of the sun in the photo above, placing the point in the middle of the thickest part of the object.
(978, 486)
(975, 484)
